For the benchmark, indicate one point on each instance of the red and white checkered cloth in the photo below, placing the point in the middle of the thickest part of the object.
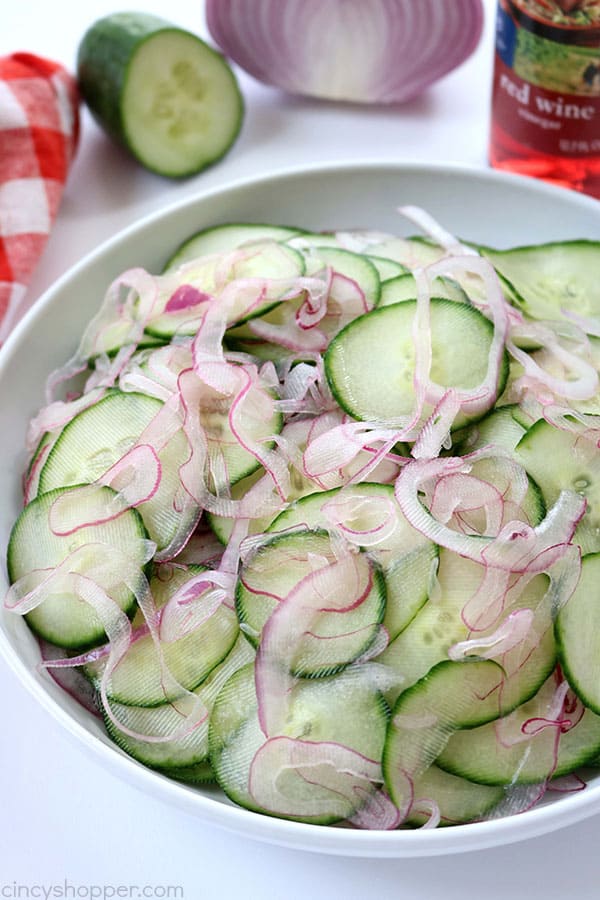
(39, 126)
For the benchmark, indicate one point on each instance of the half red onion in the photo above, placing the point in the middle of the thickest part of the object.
(362, 51)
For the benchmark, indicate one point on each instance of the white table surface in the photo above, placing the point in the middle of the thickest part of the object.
(62, 817)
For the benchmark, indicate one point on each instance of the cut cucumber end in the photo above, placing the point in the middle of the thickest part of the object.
(162, 92)
(181, 106)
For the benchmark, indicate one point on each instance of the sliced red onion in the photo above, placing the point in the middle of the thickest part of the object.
(336, 771)
(516, 544)
(338, 447)
(518, 799)
(193, 474)
(567, 784)
(589, 325)
(191, 606)
(352, 514)
(509, 634)
(128, 304)
(554, 717)
(70, 679)
(423, 220)
(377, 812)
(186, 297)
(136, 476)
(457, 494)
(57, 414)
(66, 513)
(435, 433)
(337, 586)
(479, 399)
(430, 808)
(366, 51)
(583, 387)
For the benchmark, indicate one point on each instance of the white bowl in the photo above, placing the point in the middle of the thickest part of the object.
(485, 206)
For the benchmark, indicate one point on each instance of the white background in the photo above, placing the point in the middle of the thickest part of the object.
(62, 816)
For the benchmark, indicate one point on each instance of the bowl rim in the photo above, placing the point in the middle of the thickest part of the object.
(324, 839)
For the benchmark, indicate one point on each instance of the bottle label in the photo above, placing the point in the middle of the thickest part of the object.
(546, 92)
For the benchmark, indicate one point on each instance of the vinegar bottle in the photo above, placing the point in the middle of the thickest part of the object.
(546, 91)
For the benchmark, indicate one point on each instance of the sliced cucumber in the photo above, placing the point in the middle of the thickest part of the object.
(275, 570)
(346, 709)
(343, 299)
(264, 351)
(457, 799)
(452, 695)
(161, 92)
(412, 253)
(549, 278)
(500, 428)
(358, 268)
(224, 238)
(408, 560)
(439, 624)
(502, 752)
(578, 635)
(186, 757)
(34, 547)
(99, 436)
(138, 680)
(274, 265)
(561, 460)
(387, 268)
(200, 773)
(381, 344)
(404, 287)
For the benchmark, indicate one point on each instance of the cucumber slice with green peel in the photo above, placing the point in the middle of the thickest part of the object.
(451, 696)
(415, 252)
(273, 265)
(275, 569)
(531, 509)
(265, 351)
(404, 287)
(387, 268)
(457, 799)
(358, 268)
(96, 438)
(309, 239)
(502, 753)
(500, 428)
(560, 460)
(138, 680)
(547, 279)
(578, 635)
(426, 640)
(225, 238)
(381, 344)
(408, 561)
(342, 302)
(34, 547)
(39, 456)
(222, 526)
(186, 757)
(160, 91)
(345, 709)
(201, 773)
(552, 366)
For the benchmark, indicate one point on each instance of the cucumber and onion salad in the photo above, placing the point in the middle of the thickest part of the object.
(317, 515)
